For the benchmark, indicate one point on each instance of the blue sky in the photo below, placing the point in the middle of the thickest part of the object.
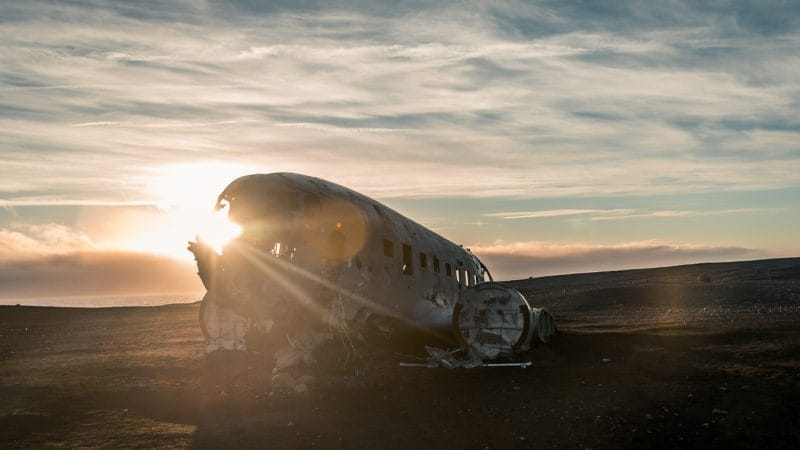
(549, 137)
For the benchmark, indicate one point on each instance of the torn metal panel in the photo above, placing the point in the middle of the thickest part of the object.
(543, 325)
(222, 327)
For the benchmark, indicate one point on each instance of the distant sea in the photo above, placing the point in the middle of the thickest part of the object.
(105, 301)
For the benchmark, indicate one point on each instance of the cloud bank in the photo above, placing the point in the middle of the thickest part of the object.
(96, 273)
(54, 261)
(524, 259)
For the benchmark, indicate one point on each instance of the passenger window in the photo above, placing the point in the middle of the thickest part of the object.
(448, 269)
(388, 248)
(423, 261)
(474, 280)
(468, 278)
(407, 269)
(436, 264)
(458, 277)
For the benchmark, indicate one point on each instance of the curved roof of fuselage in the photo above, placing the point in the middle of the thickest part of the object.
(268, 183)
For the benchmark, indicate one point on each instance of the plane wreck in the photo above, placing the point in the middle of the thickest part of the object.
(316, 262)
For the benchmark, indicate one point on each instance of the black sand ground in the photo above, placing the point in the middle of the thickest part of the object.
(691, 357)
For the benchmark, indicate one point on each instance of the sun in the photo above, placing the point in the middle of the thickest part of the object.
(217, 230)
(185, 197)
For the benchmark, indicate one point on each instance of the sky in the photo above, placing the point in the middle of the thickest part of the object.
(548, 137)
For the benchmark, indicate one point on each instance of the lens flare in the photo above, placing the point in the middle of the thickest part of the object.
(218, 230)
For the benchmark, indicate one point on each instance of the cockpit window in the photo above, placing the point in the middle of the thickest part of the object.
(254, 206)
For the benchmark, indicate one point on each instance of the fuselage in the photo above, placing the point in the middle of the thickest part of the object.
(306, 241)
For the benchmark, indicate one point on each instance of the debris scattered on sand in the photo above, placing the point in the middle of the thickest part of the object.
(443, 358)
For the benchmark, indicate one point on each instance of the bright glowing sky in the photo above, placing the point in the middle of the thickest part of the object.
(549, 137)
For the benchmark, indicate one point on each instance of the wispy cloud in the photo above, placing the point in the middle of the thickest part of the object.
(610, 100)
(557, 213)
(624, 214)
(57, 201)
(552, 103)
(41, 240)
(687, 213)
